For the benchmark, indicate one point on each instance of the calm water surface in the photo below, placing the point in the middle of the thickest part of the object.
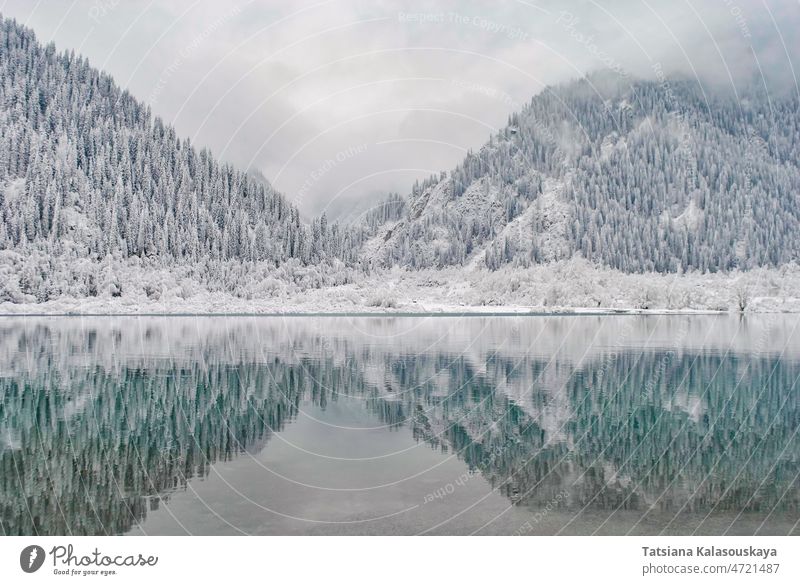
(405, 425)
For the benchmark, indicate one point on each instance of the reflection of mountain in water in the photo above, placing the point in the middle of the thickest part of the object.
(90, 436)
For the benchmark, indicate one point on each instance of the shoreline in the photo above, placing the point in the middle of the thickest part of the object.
(568, 288)
(450, 312)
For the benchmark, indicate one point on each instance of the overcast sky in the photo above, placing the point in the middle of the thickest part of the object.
(338, 102)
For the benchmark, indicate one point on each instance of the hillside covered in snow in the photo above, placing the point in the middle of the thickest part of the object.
(602, 193)
(647, 176)
(89, 179)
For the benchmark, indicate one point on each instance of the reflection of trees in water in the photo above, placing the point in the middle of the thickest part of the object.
(98, 447)
(653, 429)
(87, 449)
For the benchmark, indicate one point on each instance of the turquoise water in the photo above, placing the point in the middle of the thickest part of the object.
(400, 425)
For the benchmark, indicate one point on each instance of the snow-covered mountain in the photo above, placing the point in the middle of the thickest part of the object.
(100, 199)
(660, 176)
(87, 173)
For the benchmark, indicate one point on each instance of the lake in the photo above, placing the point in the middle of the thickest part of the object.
(680, 424)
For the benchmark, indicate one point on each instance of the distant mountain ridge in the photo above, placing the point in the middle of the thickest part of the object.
(660, 176)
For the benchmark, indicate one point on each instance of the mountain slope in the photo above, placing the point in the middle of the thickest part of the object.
(86, 172)
(644, 176)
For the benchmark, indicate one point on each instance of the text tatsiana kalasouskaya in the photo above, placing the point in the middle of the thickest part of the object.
(709, 551)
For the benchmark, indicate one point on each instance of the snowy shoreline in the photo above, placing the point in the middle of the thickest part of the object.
(448, 312)
(573, 287)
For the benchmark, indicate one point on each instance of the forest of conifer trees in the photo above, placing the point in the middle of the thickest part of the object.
(650, 177)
